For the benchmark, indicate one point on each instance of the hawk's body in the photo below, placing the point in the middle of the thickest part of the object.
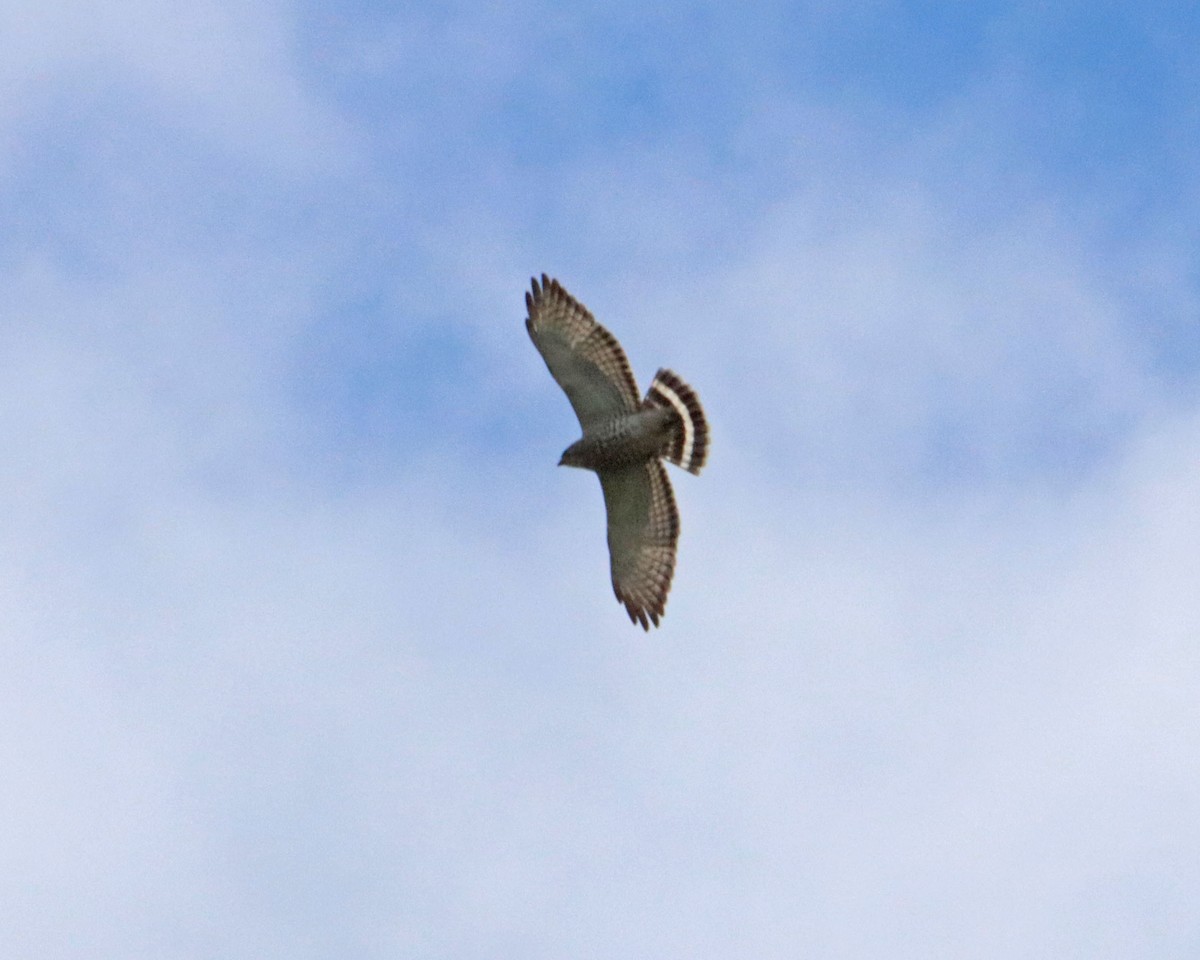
(625, 440)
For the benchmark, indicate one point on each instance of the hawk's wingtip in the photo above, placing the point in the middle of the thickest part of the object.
(640, 616)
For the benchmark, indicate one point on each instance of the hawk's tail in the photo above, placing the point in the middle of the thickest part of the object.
(688, 445)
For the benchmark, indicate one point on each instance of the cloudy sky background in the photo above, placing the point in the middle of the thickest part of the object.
(310, 652)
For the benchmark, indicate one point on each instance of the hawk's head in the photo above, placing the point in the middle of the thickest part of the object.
(573, 456)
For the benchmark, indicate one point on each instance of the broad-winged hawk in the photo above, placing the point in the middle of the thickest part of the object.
(625, 439)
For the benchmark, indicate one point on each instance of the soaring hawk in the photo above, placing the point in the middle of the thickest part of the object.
(625, 439)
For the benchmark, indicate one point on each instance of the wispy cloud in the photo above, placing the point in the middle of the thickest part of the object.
(309, 651)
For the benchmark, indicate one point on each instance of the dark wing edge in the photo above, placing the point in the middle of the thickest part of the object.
(643, 532)
(583, 357)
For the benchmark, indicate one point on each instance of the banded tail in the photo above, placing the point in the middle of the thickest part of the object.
(688, 445)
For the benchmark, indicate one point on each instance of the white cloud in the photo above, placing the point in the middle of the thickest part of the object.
(229, 74)
(272, 722)
(251, 713)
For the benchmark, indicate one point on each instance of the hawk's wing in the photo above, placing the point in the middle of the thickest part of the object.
(584, 358)
(643, 528)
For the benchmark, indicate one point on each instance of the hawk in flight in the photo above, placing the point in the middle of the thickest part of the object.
(625, 440)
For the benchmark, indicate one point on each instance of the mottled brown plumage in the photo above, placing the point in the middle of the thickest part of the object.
(624, 441)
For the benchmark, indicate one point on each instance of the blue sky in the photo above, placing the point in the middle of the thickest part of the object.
(310, 651)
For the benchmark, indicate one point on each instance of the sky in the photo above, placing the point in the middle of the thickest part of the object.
(309, 651)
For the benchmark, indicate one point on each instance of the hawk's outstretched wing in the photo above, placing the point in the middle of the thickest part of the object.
(583, 357)
(643, 529)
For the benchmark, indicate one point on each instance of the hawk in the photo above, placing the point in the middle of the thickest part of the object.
(625, 440)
